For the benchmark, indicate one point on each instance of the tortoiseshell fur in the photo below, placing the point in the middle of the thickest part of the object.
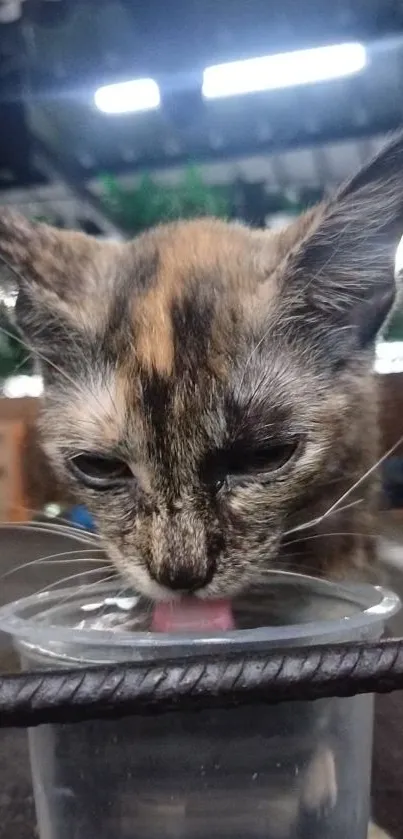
(199, 343)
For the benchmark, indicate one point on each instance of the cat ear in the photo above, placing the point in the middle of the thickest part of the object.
(54, 269)
(59, 273)
(342, 270)
(63, 279)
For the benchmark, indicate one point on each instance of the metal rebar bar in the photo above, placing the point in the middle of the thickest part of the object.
(74, 695)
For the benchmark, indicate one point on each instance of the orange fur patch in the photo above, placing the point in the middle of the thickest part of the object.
(192, 252)
(154, 344)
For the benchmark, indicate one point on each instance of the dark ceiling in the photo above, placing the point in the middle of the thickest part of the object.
(55, 55)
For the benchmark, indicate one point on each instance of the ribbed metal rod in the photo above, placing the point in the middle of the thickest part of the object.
(74, 695)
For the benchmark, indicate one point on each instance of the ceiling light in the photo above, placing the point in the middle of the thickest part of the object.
(272, 72)
(128, 97)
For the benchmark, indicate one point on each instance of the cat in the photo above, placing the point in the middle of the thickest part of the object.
(209, 389)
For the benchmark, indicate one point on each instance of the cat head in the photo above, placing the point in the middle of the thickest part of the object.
(208, 388)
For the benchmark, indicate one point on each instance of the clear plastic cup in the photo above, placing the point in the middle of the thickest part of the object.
(297, 770)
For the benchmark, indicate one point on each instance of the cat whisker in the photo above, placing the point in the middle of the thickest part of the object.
(314, 522)
(51, 523)
(72, 577)
(50, 560)
(54, 520)
(363, 477)
(288, 565)
(53, 530)
(77, 592)
(326, 536)
(74, 554)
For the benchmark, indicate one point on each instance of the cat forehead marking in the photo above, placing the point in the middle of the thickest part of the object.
(198, 261)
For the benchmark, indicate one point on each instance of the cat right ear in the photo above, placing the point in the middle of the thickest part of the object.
(45, 261)
(56, 271)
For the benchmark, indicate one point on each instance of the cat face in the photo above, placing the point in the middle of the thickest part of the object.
(209, 388)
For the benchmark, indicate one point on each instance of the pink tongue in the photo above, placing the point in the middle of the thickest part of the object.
(193, 615)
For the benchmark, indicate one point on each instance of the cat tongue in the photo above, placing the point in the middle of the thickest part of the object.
(192, 615)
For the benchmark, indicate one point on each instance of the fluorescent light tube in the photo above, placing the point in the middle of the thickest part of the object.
(286, 69)
(128, 97)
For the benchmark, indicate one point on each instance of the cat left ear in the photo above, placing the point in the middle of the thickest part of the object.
(343, 269)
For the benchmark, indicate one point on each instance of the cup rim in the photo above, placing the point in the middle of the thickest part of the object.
(375, 605)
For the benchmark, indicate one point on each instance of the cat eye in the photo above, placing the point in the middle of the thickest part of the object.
(271, 458)
(229, 468)
(98, 471)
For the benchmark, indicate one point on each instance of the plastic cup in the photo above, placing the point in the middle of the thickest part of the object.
(298, 770)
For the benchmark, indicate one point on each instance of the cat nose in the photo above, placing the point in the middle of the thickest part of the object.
(184, 578)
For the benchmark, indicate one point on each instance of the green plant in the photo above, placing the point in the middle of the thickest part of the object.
(139, 208)
(14, 356)
(394, 330)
